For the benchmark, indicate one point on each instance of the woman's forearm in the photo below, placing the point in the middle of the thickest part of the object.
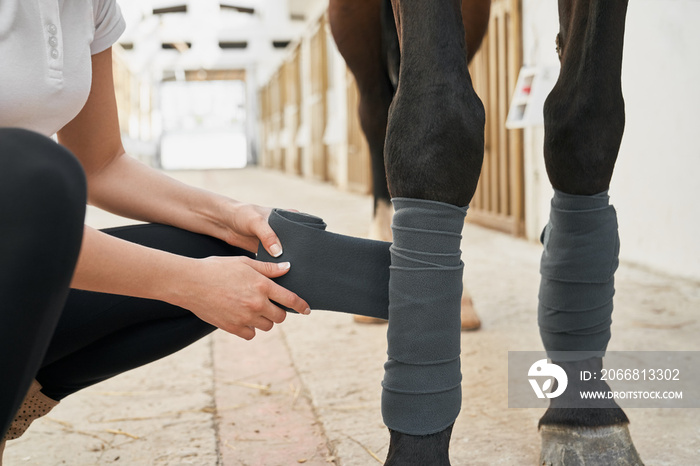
(232, 293)
(131, 189)
(112, 265)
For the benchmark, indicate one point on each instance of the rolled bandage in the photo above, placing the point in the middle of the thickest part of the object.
(331, 271)
(420, 294)
(581, 247)
(421, 389)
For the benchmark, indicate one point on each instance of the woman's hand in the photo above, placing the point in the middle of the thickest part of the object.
(232, 293)
(246, 226)
(235, 294)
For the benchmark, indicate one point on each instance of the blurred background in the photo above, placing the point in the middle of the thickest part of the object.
(206, 84)
(188, 74)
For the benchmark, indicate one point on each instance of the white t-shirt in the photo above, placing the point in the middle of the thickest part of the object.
(45, 58)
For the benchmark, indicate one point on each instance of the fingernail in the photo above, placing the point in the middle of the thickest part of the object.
(276, 250)
(283, 265)
(307, 311)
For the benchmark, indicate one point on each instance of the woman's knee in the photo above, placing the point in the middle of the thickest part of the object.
(39, 173)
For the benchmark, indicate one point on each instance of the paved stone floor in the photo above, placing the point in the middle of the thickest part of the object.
(308, 392)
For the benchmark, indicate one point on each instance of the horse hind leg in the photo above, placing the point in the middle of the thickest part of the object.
(584, 122)
(373, 118)
(373, 111)
(358, 32)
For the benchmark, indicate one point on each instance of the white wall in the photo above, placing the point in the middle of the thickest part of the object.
(655, 188)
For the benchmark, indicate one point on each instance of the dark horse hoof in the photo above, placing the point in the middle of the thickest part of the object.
(423, 450)
(590, 446)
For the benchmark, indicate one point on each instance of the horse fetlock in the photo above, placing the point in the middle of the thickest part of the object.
(587, 446)
(571, 409)
(412, 450)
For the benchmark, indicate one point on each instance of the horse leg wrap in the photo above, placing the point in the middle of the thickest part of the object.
(331, 271)
(581, 247)
(421, 388)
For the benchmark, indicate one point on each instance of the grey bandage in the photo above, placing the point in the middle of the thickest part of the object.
(422, 393)
(420, 294)
(331, 271)
(581, 247)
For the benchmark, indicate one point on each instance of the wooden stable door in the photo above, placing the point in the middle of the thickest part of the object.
(498, 201)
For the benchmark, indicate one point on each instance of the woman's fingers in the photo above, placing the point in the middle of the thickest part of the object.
(268, 316)
(288, 299)
(278, 293)
(245, 332)
(238, 295)
(270, 269)
(264, 324)
(267, 236)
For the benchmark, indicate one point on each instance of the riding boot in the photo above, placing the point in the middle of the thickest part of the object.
(34, 406)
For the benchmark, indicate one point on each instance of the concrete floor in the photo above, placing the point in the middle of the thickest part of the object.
(308, 392)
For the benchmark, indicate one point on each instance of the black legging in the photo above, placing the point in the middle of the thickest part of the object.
(70, 339)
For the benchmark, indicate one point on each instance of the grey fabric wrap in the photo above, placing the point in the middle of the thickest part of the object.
(421, 388)
(417, 286)
(331, 271)
(581, 247)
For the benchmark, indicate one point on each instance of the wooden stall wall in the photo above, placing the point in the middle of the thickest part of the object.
(295, 111)
(272, 154)
(264, 125)
(499, 199)
(123, 88)
(318, 101)
(291, 153)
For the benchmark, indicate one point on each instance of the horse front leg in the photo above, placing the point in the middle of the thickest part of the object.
(433, 153)
(584, 123)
